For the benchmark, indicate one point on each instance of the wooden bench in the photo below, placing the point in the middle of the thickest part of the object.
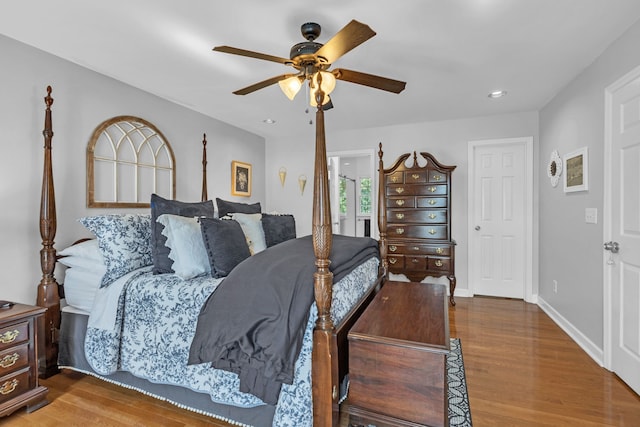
(397, 358)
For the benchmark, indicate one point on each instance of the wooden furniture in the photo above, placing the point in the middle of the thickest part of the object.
(329, 355)
(415, 213)
(397, 358)
(19, 359)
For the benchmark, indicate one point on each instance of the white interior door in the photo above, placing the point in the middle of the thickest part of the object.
(499, 216)
(622, 229)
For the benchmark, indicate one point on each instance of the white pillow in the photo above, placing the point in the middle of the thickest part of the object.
(184, 238)
(88, 249)
(81, 286)
(252, 228)
(84, 263)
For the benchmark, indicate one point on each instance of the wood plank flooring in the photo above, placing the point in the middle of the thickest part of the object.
(522, 370)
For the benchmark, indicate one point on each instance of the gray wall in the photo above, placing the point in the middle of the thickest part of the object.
(571, 250)
(82, 100)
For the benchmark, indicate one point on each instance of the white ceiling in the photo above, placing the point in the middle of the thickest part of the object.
(451, 53)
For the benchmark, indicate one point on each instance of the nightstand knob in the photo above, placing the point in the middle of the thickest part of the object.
(415, 261)
(9, 386)
(400, 215)
(415, 176)
(9, 360)
(439, 250)
(416, 248)
(400, 202)
(437, 177)
(432, 202)
(432, 189)
(400, 190)
(393, 248)
(392, 260)
(432, 231)
(9, 336)
(438, 263)
(400, 230)
(394, 179)
(432, 216)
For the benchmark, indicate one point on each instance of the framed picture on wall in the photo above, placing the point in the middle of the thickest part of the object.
(240, 179)
(576, 170)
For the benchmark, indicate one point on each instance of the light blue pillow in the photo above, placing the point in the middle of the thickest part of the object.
(252, 228)
(124, 241)
(187, 251)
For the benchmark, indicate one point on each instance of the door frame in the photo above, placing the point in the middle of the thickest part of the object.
(530, 294)
(607, 212)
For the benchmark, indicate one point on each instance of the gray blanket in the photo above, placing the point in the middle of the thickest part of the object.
(253, 324)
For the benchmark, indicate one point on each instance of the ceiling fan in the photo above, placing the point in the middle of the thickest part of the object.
(312, 61)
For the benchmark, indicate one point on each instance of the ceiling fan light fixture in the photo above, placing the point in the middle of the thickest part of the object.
(291, 86)
(327, 83)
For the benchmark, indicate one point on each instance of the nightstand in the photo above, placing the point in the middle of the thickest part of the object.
(19, 359)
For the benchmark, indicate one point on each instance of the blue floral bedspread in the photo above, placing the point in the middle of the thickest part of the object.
(154, 325)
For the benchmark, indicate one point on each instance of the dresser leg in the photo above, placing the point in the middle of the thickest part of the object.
(452, 289)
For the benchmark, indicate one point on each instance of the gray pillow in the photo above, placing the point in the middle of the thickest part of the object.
(278, 228)
(225, 207)
(159, 206)
(225, 244)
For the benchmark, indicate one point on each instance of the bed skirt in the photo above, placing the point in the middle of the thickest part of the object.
(71, 356)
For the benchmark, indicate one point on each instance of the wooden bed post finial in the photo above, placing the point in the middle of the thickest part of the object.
(204, 196)
(48, 295)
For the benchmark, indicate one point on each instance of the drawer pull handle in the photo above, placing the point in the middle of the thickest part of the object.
(432, 201)
(392, 260)
(400, 215)
(415, 176)
(400, 202)
(416, 248)
(432, 189)
(9, 386)
(9, 360)
(432, 231)
(393, 248)
(439, 250)
(415, 260)
(437, 177)
(400, 190)
(438, 263)
(394, 179)
(400, 230)
(9, 336)
(432, 216)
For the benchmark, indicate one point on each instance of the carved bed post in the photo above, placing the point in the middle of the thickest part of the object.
(48, 288)
(324, 356)
(382, 216)
(204, 197)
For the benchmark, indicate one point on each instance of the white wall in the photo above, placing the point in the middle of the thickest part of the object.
(446, 140)
(571, 250)
(82, 100)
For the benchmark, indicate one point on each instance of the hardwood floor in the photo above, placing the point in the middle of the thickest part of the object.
(522, 370)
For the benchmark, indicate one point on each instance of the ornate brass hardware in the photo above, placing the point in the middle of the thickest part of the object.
(392, 260)
(432, 216)
(415, 260)
(437, 177)
(400, 230)
(393, 248)
(432, 231)
(432, 202)
(439, 250)
(9, 336)
(438, 263)
(400, 202)
(416, 248)
(400, 190)
(394, 179)
(400, 215)
(9, 386)
(432, 189)
(9, 360)
(415, 176)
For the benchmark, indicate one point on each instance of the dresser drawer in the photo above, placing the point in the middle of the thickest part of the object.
(14, 358)
(14, 385)
(435, 232)
(395, 178)
(395, 248)
(401, 202)
(439, 264)
(431, 202)
(416, 190)
(435, 216)
(415, 177)
(14, 334)
(435, 176)
(396, 262)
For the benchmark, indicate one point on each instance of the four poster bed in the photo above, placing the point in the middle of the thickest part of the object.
(318, 373)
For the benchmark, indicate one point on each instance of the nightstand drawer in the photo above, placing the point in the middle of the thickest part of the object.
(14, 334)
(441, 264)
(14, 358)
(14, 385)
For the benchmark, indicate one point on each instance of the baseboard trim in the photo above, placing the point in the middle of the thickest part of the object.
(596, 353)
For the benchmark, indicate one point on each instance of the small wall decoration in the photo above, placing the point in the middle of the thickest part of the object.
(240, 179)
(282, 172)
(554, 168)
(576, 170)
(302, 181)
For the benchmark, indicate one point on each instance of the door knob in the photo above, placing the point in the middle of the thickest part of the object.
(614, 247)
(477, 227)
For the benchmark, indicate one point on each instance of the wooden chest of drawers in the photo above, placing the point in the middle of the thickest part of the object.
(19, 359)
(415, 219)
(397, 358)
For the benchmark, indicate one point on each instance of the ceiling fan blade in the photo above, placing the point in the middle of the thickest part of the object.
(252, 54)
(262, 84)
(352, 35)
(377, 82)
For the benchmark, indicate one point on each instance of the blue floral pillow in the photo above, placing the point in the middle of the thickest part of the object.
(124, 241)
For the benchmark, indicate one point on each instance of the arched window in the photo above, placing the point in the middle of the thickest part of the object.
(128, 158)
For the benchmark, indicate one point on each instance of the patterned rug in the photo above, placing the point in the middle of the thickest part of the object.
(459, 410)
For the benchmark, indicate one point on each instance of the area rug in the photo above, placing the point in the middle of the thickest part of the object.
(459, 410)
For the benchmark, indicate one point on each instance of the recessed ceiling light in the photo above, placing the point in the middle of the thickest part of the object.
(497, 94)
(269, 121)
